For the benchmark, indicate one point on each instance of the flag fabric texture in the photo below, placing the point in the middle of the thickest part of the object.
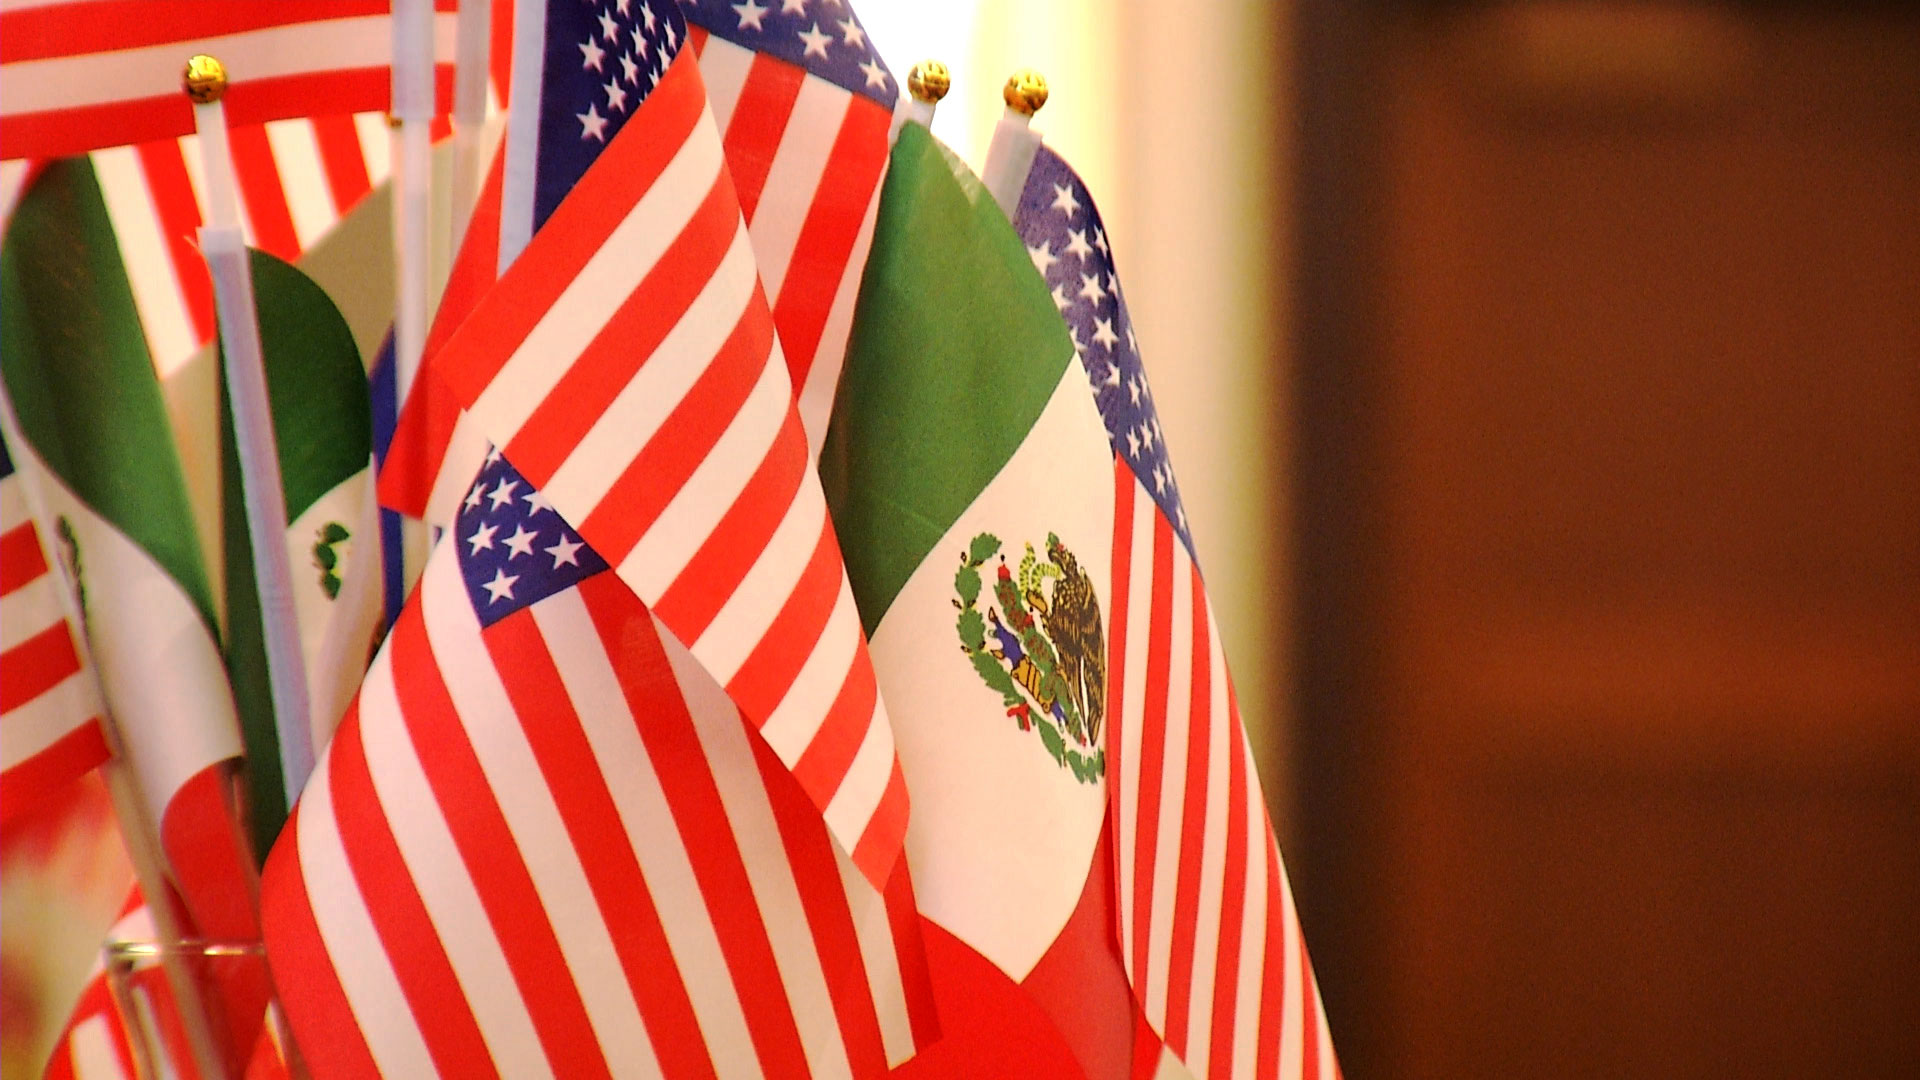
(544, 843)
(1206, 920)
(50, 712)
(118, 83)
(968, 474)
(626, 362)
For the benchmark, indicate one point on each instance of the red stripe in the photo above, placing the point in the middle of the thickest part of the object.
(38, 33)
(824, 250)
(21, 559)
(831, 752)
(1153, 736)
(629, 340)
(690, 604)
(1193, 829)
(1273, 983)
(343, 159)
(1146, 1049)
(878, 849)
(37, 665)
(260, 188)
(1309, 1018)
(823, 897)
(487, 846)
(323, 1023)
(697, 39)
(407, 934)
(164, 165)
(524, 657)
(768, 673)
(557, 253)
(1123, 541)
(1233, 896)
(31, 782)
(903, 919)
(686, 779)
(500, 57)
(759, 120)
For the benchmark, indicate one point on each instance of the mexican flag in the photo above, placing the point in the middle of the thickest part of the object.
(970, 481)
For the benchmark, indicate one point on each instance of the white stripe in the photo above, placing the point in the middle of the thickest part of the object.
(723, 737)
(305, 48)
(1173, 792)
(513, 774)
(147, 255)
(523, 129)
(614, 735)
(874, 930)
(1213, 859)
(92, 1052)
(638, 410)
(829, 356)
(861, 790)
(359, 960)
(50, 716)
(376, 145)
(693, 513)
(609, 277)
(724, 67)
(31, 608)
(466, 451)
(794, 179)
(743, 620)
(440, 877)
(1253, 926)
(793, 723)
(1292, 1046)
(303, 179)
(1134, 710)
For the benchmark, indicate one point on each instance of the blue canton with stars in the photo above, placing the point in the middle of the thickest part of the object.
(822, 36)
(603, 58)
(1068, 244)
(514, 549)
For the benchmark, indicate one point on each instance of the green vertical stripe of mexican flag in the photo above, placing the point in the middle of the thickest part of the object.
(955, 351)
(323, 427)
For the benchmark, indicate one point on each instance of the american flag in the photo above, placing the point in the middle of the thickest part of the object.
(118, 82)
(50, 710)
(544, 843)
(626, 363)
(1207, 927)
(803, 103)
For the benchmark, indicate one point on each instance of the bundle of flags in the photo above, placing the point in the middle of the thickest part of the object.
(812, 674)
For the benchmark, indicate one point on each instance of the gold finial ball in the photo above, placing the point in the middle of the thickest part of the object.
(929, 81)
(1026, 91)
(204, 80)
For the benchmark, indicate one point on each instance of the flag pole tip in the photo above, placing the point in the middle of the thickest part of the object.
(204, 79)
(1026, 91)
(929, 81)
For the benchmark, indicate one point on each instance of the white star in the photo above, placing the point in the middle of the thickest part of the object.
(673, 39)
(1078, 245)
(1064, 201)
(851, 33)
(616, 95)
(1149, 435)
(629, 68)
(1060, 298)
(646, 12)
(1181, 513)
(1100, 240)
(591, 54)
(592, 124)
(816, 42)
(793, 7)
(623, 5)
(521, 542)
(536, 502)
(1090, 288)
(1133, 343)
(1133, 390)
(482, 539)
(876, 75)
(609, 29)
(501, 587)
(1073, 335)
(564, 552)
(750, 15)
(473, 497)
(1104, 335)
(1159, 480)
(1113, 375)
(1133, 444)
(503, 494)
(493, 454)
(1043, 257)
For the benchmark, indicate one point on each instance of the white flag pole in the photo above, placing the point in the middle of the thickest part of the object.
(1015, 142)
(472, 42)
(225, 250)
(927, 83)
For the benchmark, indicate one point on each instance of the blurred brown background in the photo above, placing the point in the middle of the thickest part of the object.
(1607, 488)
